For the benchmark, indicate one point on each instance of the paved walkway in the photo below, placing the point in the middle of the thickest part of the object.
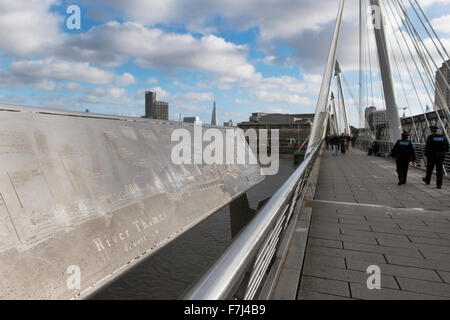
(362, 218)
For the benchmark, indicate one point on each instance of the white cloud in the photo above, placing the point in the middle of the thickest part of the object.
(155, 48)
(107, 95)
(59, 69)
(45, 85)
(27, 27)
(277, 110)
(125, 80)
(274, 97)
(152, 80)
(442, 24)
(274, 18)
(73, 86)
(160, 93)
(195, 97)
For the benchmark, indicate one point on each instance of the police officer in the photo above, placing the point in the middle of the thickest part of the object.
(437, 147)
(403, 152)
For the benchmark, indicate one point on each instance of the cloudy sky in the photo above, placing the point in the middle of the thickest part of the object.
(248, 55)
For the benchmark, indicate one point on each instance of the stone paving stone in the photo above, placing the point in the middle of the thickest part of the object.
(326, 243)
(437, 242)
(436, 255)
(362, 292)
(415, 245)
(393, 270)
(340, 237)
(351, 221)
(310, 295)
(424, 234)
(408, 222)
(319, 260)
(405, 226)
(413, 253)
(388, 236)
(337, 226)
(365, 256)
(327, 286)
(326, 219)
(352, 276)
(323, 230)
(418, 263)
(443, 235)
(445, 276)
(427, 287)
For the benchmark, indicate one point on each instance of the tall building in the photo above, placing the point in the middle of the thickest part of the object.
(367, 113)
(442, 82)
(377, 118)
(155, 109)
(214, 116)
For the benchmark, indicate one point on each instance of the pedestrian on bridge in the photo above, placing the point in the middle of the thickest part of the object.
(335, 145)
(436, 149)
(343, 142)
(403, 153)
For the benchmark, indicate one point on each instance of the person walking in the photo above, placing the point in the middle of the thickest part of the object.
(343, 142)
(437, 147)
(403, 153)
(335, 145)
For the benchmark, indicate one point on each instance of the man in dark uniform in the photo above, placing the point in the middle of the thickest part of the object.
(403, 152)
(437, 147)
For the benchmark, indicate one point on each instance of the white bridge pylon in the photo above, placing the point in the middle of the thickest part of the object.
(322, 109)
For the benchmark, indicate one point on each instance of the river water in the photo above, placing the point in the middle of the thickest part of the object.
(168, 273)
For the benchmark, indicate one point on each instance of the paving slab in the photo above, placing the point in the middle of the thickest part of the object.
(362, 218)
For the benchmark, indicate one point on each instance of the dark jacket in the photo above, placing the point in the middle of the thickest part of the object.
(437, 145)
(403, 151)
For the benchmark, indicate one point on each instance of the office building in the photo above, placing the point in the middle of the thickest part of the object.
(367, 113)
(442, 83)
(294, 129)
(228, 124)
(377, 118)
(155, 109)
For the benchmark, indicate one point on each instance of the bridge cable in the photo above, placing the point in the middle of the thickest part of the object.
(421, 47)
(434, 32)
(403, 87)
(404, 59)
(423, 60)
(408, 31)
(355, 103)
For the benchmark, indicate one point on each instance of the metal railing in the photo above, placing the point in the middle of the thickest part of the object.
(240, 272)
(385, 148)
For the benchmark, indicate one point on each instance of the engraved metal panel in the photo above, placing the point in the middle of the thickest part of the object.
(95, 192)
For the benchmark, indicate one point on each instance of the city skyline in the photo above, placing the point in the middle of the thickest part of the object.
(246, 56)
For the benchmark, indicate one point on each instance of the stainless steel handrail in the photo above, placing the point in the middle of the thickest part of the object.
(225, 276)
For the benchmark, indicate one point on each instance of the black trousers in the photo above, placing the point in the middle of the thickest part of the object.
(437, 161)
(402, 171)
